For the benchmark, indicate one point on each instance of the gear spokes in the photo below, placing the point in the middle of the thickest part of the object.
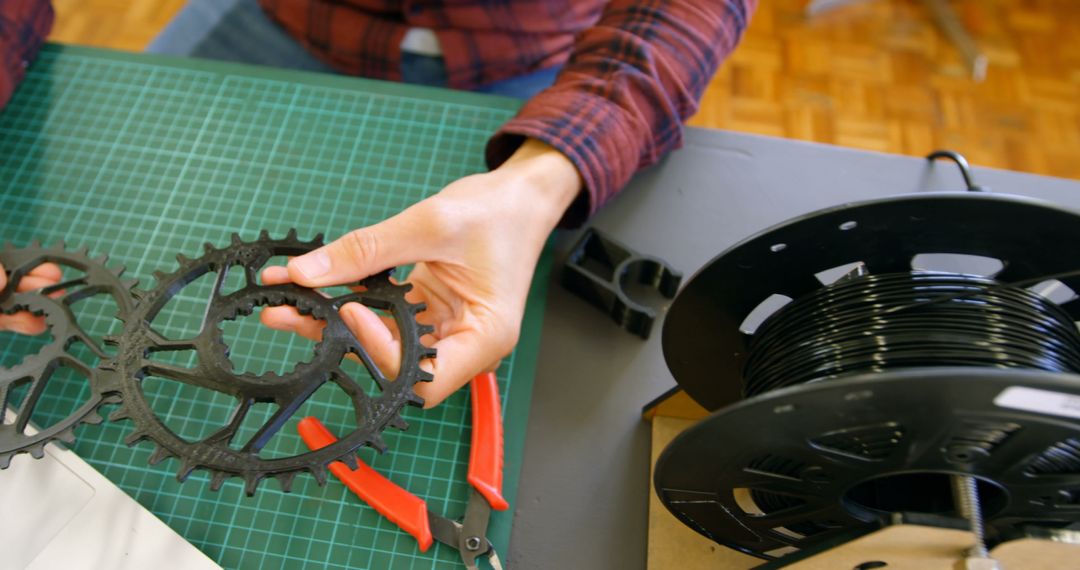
(236, 448)
(37, 371)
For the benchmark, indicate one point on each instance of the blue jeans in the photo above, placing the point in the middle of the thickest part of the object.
(239, 30)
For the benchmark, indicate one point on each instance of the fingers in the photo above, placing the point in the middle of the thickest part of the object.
(375, 336)
(380, 341)
(50, 271)
(275, 275)
(363, 252)
(23, 323)
(41, 276)
(287, 318)
(32, 282)
(460, 357)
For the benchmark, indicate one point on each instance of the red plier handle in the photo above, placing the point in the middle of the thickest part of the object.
(402, 507)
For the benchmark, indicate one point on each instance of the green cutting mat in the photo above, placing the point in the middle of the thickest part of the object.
(143, 157)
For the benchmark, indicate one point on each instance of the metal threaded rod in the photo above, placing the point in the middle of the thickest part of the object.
(966, 497)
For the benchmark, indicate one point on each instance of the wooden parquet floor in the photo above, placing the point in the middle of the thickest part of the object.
(877, 74)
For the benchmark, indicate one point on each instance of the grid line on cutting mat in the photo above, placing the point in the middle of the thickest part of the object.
(144, 157)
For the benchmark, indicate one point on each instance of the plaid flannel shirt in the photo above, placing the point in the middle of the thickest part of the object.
(23, 27)
(634, 70)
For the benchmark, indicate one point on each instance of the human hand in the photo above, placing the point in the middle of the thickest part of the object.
(475, 245)
(43, 275)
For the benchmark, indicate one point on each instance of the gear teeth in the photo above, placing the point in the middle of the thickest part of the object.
(217, 480)
(160, 454)
(428, 353)
(381, 289)
(67, 436)
(319, 239)
(251, 483)
(424, 376)
(319, 473)
(285, 480)
(98, 279)
(118, 414)
(135, 437)
(350, 460)
(418, 308)
(422, 330)
(208, 247)
(185, 470)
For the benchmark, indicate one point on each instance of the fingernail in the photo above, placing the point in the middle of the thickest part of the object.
(312, 265)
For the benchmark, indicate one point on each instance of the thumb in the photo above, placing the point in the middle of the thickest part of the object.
(361, 253)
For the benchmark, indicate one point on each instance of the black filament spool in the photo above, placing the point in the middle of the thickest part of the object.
(799, 465)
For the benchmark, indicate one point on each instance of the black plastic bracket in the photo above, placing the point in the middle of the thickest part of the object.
(600, 269)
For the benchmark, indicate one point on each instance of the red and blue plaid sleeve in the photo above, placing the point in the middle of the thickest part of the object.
(24, 24)
(633, 79)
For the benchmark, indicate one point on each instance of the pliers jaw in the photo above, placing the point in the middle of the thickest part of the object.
(468, 536)
(410, 512)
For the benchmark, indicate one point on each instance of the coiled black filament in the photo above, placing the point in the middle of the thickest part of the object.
(907, 320)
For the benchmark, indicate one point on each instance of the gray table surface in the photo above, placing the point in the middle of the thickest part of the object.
(583, 499)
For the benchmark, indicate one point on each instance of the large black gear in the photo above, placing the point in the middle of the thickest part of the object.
(287, 391)
(54, 304)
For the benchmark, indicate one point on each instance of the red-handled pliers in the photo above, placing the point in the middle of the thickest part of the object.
(409, 511)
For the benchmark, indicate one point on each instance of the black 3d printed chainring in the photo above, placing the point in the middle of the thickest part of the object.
(217, 453)
(35, 371)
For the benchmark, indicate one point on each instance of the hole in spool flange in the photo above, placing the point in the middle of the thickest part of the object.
(919, 492)
(764, 310)
(847, 270)
(958, 263)
(1055, 291)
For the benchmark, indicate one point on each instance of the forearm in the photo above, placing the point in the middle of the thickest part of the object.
(632, 80)
(549, 180)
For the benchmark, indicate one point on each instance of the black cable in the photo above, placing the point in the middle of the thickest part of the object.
(907, 320)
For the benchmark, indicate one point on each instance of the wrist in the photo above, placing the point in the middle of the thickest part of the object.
(548, 178)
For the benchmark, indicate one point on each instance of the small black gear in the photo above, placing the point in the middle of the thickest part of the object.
(54, 303)
(213, 370)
